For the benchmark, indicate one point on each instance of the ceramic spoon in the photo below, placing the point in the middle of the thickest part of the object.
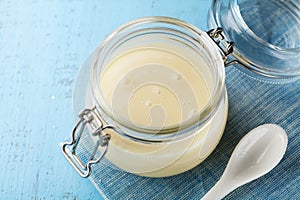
(255, 155)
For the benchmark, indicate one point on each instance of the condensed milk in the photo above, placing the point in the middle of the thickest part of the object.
(156, 85)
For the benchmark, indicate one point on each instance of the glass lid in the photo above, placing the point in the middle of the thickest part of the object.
(266, 34)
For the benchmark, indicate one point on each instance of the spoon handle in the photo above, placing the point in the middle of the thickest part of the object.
(219, 190)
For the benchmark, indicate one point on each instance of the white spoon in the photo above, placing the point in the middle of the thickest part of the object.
(255, 155)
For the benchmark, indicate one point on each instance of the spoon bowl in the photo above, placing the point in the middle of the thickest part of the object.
(256, 154)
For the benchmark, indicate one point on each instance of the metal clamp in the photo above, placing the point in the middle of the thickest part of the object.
(226, 47)
(87, 117)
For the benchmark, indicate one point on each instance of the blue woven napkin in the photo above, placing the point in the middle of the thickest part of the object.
(252, 102)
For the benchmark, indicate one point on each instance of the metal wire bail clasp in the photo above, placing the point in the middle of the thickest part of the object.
(87, 117)
(225, 47)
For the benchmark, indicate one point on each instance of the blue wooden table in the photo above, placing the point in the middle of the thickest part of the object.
(42, 45)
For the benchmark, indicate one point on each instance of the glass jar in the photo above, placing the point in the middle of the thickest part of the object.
(160, 104)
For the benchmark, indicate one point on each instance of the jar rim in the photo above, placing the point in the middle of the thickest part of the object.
(167, 132)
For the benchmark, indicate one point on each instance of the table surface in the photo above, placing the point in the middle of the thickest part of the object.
(42, 45)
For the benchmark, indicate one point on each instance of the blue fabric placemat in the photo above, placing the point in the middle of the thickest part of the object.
(252, 102)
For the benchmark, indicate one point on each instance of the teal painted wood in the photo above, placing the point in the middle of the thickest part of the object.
(42, 44)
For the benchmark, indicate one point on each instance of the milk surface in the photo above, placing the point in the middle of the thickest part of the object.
(154, 86)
